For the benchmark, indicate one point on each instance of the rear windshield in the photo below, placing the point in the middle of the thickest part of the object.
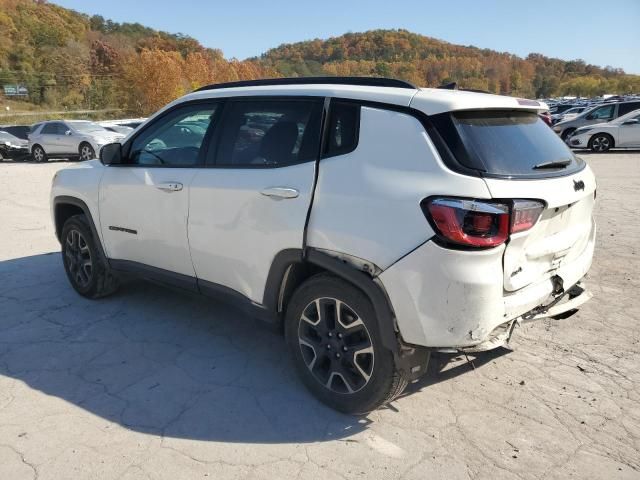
(506, 144)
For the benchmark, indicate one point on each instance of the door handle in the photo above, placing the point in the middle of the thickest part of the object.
(280, 192)
(169, 186)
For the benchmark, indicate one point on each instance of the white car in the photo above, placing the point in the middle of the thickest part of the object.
(69, 139)
(624, 132)
(567, 114)
(376, 221)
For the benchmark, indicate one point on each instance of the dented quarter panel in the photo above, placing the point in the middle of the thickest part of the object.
(445, 297)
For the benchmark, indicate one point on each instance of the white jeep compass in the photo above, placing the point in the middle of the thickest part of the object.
(376, 221)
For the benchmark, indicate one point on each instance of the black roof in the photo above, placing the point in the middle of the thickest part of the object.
(361, 81)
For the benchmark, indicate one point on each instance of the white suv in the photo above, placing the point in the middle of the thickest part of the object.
(80, 139)
(376, 221)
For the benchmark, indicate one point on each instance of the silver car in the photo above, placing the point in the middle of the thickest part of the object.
(69, 139)
(599, 114)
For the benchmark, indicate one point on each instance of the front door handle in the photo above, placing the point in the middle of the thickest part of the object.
(280, 192)
(169, 186)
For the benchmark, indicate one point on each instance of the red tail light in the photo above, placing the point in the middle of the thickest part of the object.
(479, 223)
(525, 214)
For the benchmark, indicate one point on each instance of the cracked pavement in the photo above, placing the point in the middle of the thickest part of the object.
(160, 384)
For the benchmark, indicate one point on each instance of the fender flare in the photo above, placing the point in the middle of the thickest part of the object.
(277, 279)
(67, 200)
(378, 298)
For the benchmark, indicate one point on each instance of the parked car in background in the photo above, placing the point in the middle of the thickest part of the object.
(12, 147)
(624, 132)
(69, 139)
(119, 129)
(600, 114)
(567, 114)
(20, 131)
(124, 122)
(375, 221)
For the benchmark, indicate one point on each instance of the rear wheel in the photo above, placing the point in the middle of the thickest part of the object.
(601, 142)
(84, 264)
(332, 333)
(38, 154)
(86, 152)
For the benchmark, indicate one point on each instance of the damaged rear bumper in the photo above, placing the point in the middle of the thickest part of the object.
(454, 299)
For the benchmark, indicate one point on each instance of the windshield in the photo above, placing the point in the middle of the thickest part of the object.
(507, 144)
(7, 137)
(87, 127)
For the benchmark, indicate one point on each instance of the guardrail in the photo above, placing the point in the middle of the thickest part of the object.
(29, 118)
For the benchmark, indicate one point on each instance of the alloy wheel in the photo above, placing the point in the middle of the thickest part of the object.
(601, 144)
(336, 345)
(78, 258)
(86, 153)
(38, 154)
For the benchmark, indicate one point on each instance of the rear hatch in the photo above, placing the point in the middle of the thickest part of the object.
(562, 233)
(520, 157)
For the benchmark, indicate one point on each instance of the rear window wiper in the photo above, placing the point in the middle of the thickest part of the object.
(553, 164)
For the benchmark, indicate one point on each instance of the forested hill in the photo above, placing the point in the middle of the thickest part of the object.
(427, 61)
(68, 60)
(71, 60)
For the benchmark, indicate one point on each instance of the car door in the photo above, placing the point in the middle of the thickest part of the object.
(252, 200)
(67, 139)
(48, 138)
(144, 202)
(629, 132)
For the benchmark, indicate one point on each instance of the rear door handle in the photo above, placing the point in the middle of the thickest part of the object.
(169, 186)
(280, 192)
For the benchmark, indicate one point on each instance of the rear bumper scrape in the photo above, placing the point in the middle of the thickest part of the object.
(570, 300)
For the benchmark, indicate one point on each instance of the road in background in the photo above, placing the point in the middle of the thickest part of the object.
(155, 383)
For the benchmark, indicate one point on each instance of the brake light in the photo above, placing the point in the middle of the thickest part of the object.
(470, 222)
(525, 214)
(480, 223)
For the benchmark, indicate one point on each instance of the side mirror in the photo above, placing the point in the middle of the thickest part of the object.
(111, 154)
(68, 133)
(632, 121)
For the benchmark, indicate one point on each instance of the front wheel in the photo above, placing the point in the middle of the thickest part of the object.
(331, 330)
(600, 143)
(86, 152)
(84, 264)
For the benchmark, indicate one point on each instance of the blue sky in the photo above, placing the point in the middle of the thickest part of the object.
(602, 33)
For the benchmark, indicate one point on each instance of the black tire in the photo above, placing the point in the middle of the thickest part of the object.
(334, 362)
(601, 142)
(565, 134)
(86, 152)
(38, 154)
(93, 280)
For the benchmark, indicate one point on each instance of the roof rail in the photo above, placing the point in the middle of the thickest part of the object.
(362, 81)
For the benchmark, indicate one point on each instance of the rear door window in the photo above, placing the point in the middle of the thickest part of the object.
(50, 129)
(506, 144)
(625, 108)
(268, 133)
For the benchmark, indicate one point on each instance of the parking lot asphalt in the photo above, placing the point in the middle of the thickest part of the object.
(155, 383)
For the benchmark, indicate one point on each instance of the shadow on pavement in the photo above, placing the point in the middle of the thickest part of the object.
(162, 361)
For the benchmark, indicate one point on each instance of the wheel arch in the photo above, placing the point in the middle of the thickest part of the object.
(613, 139)
(64, 207)
(290, 269)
